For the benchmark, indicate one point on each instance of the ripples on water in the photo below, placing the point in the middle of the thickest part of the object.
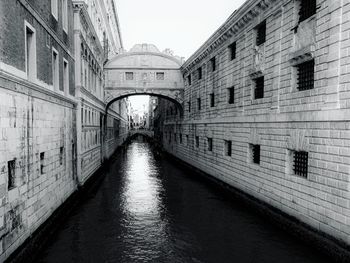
(149, 210)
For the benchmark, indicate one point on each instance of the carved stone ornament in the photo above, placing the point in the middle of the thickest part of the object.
(298, 140)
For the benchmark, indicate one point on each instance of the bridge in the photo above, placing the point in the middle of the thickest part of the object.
(144, 132)
(144, 70)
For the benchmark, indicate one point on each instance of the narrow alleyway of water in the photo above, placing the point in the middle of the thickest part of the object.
(149, 210)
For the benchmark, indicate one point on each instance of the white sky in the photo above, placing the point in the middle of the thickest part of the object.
(181, 25)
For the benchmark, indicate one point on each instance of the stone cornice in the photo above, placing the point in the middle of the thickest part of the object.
(238, 20)
(92, 97)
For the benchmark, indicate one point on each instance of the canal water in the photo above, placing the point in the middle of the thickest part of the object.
(150, 210)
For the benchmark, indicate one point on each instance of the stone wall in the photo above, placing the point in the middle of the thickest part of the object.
(284, 121)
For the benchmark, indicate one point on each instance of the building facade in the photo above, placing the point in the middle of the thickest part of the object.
(266, 109)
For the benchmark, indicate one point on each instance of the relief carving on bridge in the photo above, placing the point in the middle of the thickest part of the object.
(298, 140)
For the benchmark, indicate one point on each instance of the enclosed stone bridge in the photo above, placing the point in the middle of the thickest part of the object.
(144, 70)
(143, 132)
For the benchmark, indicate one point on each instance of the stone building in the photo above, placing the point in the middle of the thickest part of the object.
(97, 38)
(37, 115)
(266, 109)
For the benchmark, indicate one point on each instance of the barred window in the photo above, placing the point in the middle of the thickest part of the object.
(210, 144)
(307, 9)
(175, 137)
(197, 141)
(200, 73)
(300, 163)
(199, 103)
(181, 138)
(42, 162)
(306, 72)
(189, 106)
(160, 75)
(129, 75)
(261, 33)
(213, 64)
(212, 99)
(61, 155)
(232, 50)
(255, 150)
(259, 88)
(187, 139)
(231, 95)
(11, 166)
(228, 148)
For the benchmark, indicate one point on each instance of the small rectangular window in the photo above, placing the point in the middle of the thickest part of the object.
(232, 51)
(212, 99)
(160, 75)
(213, 64)
(189, 106)
(189, 80)
(200, 73)
(65, 86)
(306, 72)
(228, 148)
(30, 53)
(197, 141)
(259, 88)
(61, 155)
(55, 71)
(261, 33)
(199, 103)
(210, 144)
(129, 75)
(307, 9)
(300, 163)
(54, 8)
(231, 95)
(175, 137)
(181, 138)
(65, 15)
(255, 150)
(11, 166)
(42, 162)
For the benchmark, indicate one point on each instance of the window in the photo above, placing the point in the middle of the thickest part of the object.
(55, 70)
(175, 137)
(199, 70)
(30, 52)
(65, 86)
(197, 141)
(231, 95)
(212, 99)
(65, 15)
(259, 88)
(255, 151)
(189, 106)
(232, 51)
(213, 64)
(228, 148)
(54, 8)
(199, 103)
(160, 75)
(261, 33)
(189, 80)
(181, 138)
(307, 9)
(61, 155)
(306, 73)
(300, 163)
(210, 144)
(11, 166)
(129, 75)
(42, 162)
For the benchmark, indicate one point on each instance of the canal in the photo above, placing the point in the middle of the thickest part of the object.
(153, 210)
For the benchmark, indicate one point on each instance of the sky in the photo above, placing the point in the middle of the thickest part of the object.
(181, 25)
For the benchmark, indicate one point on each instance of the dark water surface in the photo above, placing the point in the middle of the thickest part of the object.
(149, 210)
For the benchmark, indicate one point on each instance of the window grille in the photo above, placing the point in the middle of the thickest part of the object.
(61, 155)
(200, 73)
(199, 103)
(210, 144)
(189, 80)
(212, 99)
(231, 95)
(259, 88)
(256, 153)
(42, 160)
(213, 64)
(160, 75)
(181, 138)
(307, 9)
(228, 148)
(300, 166)
(261, 34)
(189, 106)
(197, 141)
(306, 73)
(232, 49)
(129, 75)
(11, 166)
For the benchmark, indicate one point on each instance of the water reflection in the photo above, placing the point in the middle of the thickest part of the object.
(149, 210)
